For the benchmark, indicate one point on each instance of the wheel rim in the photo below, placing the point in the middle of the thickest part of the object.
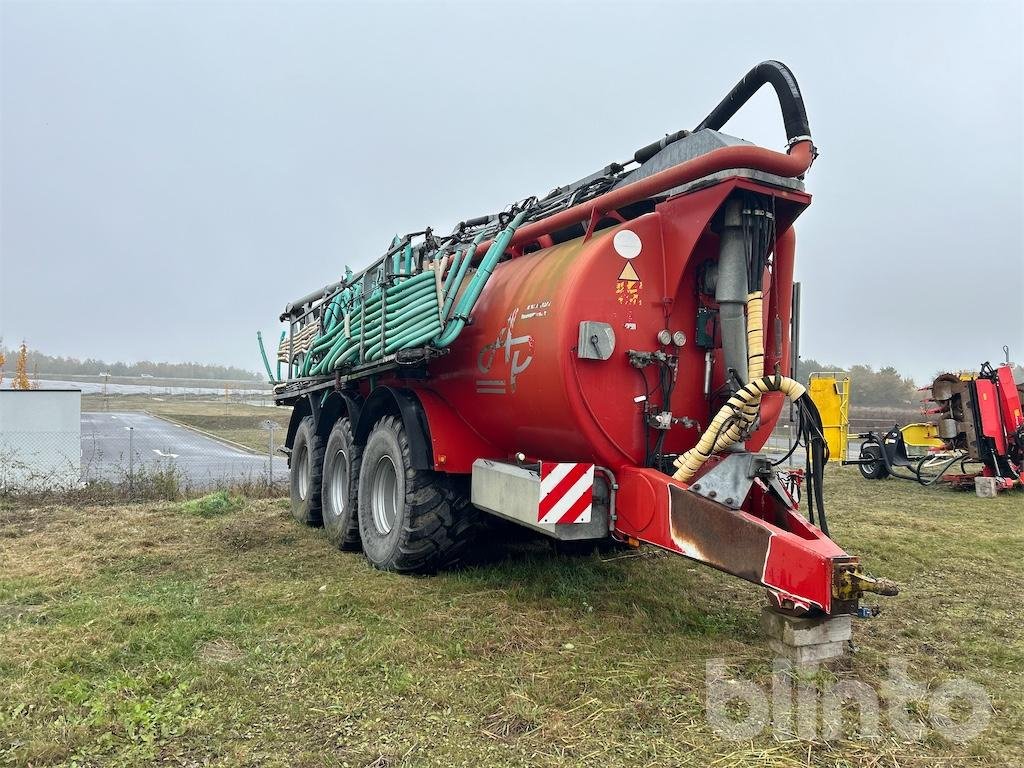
(384, 495)
(339, 483)
(303, 473)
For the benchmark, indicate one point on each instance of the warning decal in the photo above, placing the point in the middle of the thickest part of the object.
(628, 292)
(628, 272)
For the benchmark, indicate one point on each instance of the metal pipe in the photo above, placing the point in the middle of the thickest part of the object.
(293, 308)
(782, 275)
(731, 291)
(790, 165)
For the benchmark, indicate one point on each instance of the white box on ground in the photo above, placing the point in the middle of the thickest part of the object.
(986, 487)
(40, 438)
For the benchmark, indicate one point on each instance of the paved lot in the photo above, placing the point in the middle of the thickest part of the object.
(158, 444)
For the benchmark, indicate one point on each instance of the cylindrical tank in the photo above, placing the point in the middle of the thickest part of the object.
(516, 377)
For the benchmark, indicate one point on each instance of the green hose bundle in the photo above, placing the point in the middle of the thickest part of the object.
(411, 313)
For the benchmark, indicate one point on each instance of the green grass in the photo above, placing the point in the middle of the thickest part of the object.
(213, 504)
(157, 633)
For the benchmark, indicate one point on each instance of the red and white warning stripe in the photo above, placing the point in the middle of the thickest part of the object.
(566, 493)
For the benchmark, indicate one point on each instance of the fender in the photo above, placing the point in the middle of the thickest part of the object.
(300, 410)
(386, 400)
(455, 445)
(335, 406)
(324, 411)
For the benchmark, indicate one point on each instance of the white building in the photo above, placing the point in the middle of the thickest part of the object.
(40, 438)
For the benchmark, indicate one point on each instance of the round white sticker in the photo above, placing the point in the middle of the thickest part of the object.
(627, 243)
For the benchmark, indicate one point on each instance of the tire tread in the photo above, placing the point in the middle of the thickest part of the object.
(317, 448)
(440, 523)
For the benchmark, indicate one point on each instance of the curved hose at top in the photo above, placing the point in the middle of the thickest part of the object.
(791, 101)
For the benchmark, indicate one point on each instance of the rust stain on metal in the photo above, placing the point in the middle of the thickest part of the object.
(711, 533)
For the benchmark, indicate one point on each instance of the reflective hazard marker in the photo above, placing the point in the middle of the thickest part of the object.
(566, 493)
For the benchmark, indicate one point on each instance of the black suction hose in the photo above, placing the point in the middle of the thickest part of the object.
(775, 73)
(794, 116)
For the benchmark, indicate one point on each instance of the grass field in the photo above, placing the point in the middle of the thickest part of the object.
(220, 632)
(234, 421)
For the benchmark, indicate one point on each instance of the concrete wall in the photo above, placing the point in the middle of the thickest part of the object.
(40, 438)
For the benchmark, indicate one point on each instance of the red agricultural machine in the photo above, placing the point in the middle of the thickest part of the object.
(605, 361)
(977, 417)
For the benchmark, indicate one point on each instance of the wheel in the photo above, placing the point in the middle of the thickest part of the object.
(410, 520)
(875, 470)
(340, 486)
(305, 479)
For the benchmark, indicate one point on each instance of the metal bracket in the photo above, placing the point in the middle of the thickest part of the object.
(729, 481)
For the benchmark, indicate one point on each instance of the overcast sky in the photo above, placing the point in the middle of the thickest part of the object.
(174, 173)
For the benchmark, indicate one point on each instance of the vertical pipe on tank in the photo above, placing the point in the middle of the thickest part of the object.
(731, 290)
(782, 279)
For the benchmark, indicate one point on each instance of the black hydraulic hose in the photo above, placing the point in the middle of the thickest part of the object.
(927, 481)
(779, 76)
(796, 442)
(817, 456)
(646, 153)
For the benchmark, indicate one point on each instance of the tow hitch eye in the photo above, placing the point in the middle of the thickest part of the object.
(850, 583)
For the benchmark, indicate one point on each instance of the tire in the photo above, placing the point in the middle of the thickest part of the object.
(876, 469)
(410, 520)
(340, 486)
(306, 476)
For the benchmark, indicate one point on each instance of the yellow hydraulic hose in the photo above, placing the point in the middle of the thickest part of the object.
(736, 416)
(755, 349)
(755, 335)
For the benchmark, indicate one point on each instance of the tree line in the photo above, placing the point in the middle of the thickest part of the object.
(41, 364)
(885, 387)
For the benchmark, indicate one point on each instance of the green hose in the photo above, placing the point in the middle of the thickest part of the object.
(279, 343)
(451, 293)
(263, 352)
(452, 269)
(473, 290)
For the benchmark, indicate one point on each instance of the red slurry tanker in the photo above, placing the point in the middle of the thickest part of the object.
(604, 361)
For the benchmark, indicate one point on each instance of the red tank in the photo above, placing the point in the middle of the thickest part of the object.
(516, 378)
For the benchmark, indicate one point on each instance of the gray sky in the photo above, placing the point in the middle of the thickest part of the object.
(174, 173)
